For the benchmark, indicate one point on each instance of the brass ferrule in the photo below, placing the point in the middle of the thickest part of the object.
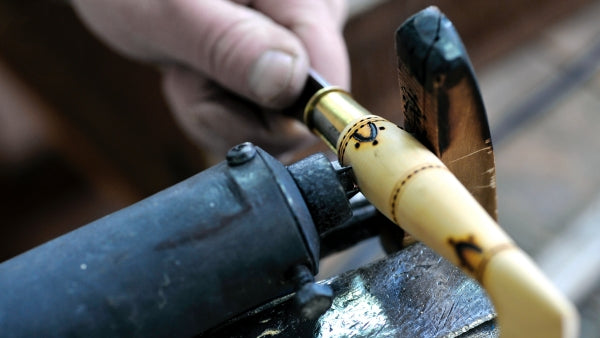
(329, 111)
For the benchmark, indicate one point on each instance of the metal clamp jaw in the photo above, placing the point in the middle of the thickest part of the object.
(220, 243)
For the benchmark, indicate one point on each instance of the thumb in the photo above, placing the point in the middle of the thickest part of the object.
(236, 46)
(245, 51)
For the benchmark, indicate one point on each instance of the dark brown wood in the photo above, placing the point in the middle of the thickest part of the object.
(442, 104)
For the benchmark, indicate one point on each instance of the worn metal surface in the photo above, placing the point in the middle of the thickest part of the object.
(175, 264)
(414, 293)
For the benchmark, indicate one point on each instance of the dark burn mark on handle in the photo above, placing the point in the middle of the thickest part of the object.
(354, 134)
(372, 134)
(462, 249)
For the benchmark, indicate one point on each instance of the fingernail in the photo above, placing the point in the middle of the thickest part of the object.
(271, 75)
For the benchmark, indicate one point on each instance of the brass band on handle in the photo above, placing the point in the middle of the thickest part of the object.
(329, 111)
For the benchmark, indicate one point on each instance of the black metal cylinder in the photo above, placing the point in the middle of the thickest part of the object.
(174, 264)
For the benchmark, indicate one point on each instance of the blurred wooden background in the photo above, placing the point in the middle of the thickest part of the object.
(84, 132)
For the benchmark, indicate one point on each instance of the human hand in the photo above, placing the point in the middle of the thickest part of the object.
(218, 56)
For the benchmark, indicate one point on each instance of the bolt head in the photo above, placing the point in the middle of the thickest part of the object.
(241, 154)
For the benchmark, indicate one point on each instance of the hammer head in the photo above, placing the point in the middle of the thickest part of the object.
(442, 104)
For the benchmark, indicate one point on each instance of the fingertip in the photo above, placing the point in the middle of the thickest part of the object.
(276, 78)
(317, 24)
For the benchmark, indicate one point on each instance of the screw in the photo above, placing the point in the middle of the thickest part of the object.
(312, 299)
(241, 154)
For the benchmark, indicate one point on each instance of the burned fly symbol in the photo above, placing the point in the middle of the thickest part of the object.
(368, 138)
